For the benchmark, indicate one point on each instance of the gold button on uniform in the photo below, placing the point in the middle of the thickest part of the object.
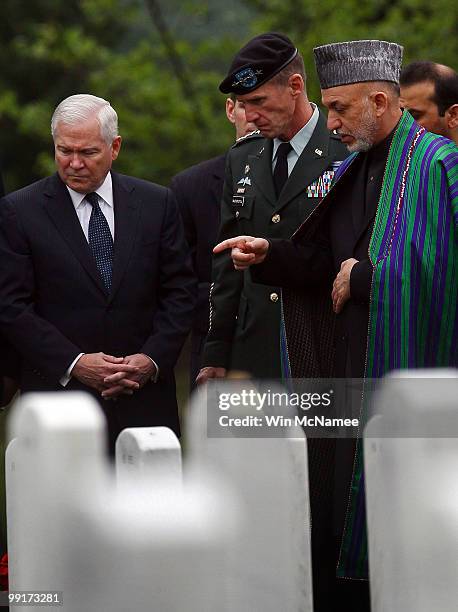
(276, 219)
(274, 297)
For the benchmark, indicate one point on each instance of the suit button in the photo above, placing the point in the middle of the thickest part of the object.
(274, 297)
(276, 219)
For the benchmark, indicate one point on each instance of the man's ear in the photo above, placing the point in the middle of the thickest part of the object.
(380, 102)
(230, 109)
(115, 147)
(451, 117)
(296, 83)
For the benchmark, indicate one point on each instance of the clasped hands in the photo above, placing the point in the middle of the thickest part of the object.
(247, 250)
(114, 376)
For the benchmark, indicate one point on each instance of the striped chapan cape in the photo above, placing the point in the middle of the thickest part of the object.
(413, 319)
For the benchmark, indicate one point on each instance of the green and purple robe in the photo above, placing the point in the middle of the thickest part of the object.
(413, 319)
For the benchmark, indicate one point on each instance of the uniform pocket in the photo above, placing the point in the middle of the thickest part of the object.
(242, 206)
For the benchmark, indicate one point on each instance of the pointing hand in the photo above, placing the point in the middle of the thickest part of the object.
(245, 250)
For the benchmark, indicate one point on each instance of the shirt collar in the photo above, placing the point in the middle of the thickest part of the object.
(105, 191)
(300, 140)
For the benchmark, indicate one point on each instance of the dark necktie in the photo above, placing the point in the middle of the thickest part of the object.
(100, 240)
(281, 167)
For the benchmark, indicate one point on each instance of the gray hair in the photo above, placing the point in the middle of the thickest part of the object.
(80, 108)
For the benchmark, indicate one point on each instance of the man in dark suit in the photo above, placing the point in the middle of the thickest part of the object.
(273, 182)
(96, 289)
(7, 387)
(8, 359)
(198, 191)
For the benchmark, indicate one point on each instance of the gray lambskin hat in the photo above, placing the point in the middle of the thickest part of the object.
(357, 61)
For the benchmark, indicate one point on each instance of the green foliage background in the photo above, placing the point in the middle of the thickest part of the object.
(50, 49)
(427, 30)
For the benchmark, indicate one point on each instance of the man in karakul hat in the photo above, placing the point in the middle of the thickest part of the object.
(383, 246)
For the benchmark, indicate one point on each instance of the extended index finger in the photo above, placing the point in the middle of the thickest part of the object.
(230, 243)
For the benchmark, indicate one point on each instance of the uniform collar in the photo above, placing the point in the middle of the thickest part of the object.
(300, 140)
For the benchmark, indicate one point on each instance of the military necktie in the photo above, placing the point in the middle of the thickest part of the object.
(281, 167)
(100, 240)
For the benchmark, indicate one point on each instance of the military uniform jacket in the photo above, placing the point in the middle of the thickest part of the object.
(244, 329)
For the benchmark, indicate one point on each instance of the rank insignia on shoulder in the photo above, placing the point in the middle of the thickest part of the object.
(247, 137)
(320, 187)
(238, 200)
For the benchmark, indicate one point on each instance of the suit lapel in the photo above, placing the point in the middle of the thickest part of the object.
(126, 213)
(313, 161)
(59, 207)
(261, 170)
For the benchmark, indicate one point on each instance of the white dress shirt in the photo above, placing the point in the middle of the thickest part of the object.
(84, 209)
(298, 142)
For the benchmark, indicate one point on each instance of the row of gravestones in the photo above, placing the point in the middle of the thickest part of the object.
(229, 531)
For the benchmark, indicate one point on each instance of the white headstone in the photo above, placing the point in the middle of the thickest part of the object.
(74, 532)
(411, 463)
(15, 531)
(55, 458)
(148, 456)
(162, 556)
(268, 564)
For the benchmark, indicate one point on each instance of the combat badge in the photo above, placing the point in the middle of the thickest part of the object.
(247, 77)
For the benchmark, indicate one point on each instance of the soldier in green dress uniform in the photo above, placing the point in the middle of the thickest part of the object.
(274, 180)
